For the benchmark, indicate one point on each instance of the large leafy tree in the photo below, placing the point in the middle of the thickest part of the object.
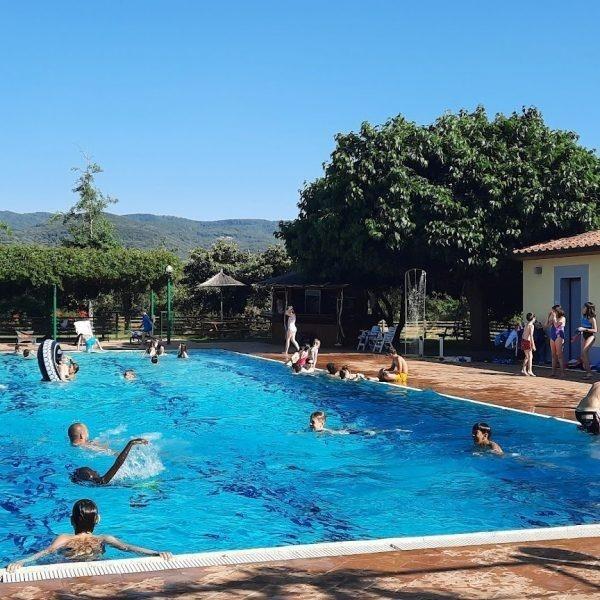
(456, 197)
(86, 222)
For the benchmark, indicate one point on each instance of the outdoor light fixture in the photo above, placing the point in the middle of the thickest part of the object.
(169, 270)
(538, 270)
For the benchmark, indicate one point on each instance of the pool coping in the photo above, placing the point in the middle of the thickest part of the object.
(306, 551)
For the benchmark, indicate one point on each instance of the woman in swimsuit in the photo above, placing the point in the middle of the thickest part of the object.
(556, 322)
(290, 329)
(84, 545)
(588, 331)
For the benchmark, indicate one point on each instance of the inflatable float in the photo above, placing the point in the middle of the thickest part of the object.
(49, 356)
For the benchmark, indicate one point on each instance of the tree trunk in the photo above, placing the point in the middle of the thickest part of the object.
(478, 311)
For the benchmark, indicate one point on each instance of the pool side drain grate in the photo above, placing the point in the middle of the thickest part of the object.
(283, 553)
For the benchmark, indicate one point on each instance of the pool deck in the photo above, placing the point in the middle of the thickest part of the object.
(554, 569)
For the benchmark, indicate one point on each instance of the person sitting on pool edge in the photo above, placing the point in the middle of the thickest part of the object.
(588, 410)
(79, 435)
(398, 370)
(129, 374)
(83, 544)
(88, 475)
(317, 420)
(482, 437)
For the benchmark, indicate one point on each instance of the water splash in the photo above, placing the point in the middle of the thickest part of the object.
(143, 462)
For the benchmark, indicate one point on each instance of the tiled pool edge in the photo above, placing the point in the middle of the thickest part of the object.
(283, 553)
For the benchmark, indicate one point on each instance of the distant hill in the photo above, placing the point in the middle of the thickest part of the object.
(150, 231)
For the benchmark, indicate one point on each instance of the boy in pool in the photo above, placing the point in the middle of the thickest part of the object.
(347, 375)
(79, 435)
(482, 437)
(129, 374)
(397, 371)
(317, 421)
(83, 544)
(331, 370)
(182, 353)
(67, 368)
(88, 475)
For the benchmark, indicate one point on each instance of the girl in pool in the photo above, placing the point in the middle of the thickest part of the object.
(83, 544)
(482, 437)
(290, 329)
(557, 321)
(588, 330)
(182, 353)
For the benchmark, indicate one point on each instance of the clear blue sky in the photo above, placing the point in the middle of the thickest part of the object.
(215, 110)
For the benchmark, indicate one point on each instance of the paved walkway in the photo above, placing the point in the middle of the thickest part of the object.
(561, 569)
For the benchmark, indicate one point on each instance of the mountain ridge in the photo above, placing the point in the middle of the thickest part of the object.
(146, 230)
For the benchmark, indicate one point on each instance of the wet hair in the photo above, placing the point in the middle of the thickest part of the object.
(26, 352)
(154, 360)
(484, 428)
(318, 414)
(343, 373)
(558, 309)
(75, 367)
(529, 316)
(296, 367)
(128, 372)
(85, 475)
(84, 516)
(331, 368)
(74, 430)
(589, 310)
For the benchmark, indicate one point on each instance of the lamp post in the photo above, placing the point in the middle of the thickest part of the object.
(169, 272)
(54, 320)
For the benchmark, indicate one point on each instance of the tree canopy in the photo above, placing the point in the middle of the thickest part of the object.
(455, 197)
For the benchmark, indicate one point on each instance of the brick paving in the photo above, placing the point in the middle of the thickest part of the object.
(568, 569)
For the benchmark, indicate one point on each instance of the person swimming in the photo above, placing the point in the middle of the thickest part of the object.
(154, 360)
(83, 544)
(88, 475)
(482, 437)
(27, 353)
(129, 374)
(317, 421)
(79, 435)
(182, 353)
(331, 370)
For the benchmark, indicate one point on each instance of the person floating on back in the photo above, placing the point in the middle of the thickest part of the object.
(588, 410)
(397, 372)
(83, 544)
(528, 345)
(88, 475)
(482, 437)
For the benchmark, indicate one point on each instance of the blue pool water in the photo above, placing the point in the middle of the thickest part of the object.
(232, 463)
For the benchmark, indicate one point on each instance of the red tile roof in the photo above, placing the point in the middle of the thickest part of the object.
(576, 244)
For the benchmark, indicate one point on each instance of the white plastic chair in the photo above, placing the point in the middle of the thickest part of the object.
(83, 329)
(366, 337)
(384, 341)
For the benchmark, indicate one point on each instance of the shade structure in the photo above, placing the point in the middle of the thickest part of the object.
(221, 280)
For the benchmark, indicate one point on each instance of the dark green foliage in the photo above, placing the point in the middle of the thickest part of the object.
(456, 198)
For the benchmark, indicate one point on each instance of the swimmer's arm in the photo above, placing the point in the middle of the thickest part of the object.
(496, 448)
(119, 544)
(106, 478)
(56, 545)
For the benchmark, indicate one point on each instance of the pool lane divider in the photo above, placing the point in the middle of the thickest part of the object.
(285, 553)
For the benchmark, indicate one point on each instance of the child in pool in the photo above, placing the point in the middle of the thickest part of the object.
(83, 544)
(331, 370)
(317, 421)
(79, 435)
(129, 374)
(347, 375)
(88, 475)
(67, 368)
(182, 353)
(482, 437)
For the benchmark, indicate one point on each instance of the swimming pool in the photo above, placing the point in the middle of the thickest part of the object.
(232, 463)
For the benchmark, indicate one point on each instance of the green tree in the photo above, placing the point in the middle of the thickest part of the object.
(86, 222)
(456, 197)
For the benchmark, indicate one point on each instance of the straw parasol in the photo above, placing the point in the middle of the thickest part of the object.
(220, 280)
